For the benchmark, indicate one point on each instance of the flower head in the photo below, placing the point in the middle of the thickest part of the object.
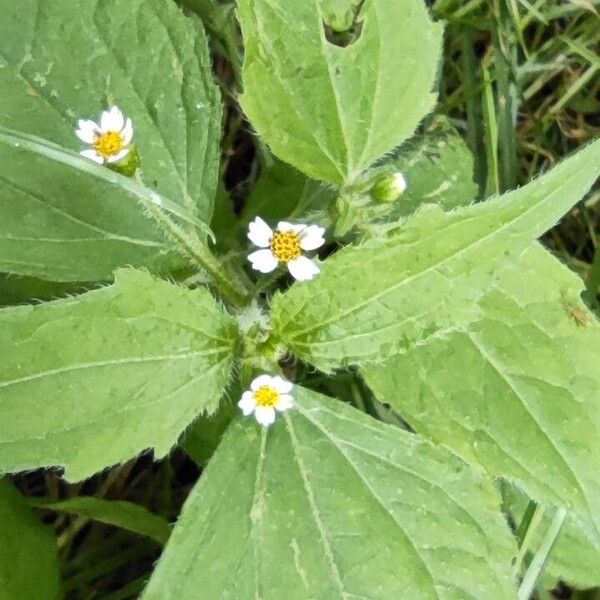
(266, 396)
(390, 188)
(285, 245)
(109, 140)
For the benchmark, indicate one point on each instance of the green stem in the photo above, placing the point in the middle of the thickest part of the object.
(201, 255)
(538, 562)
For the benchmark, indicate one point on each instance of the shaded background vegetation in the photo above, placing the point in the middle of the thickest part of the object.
(520, 81)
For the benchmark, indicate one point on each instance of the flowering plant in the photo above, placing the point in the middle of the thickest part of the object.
(383, 371)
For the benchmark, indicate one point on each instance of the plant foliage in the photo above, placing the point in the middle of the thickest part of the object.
(461, 354)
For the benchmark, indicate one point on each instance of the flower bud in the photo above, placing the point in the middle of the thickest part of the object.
(390, 188)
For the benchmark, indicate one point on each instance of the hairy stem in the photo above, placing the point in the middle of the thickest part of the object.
(201, 255)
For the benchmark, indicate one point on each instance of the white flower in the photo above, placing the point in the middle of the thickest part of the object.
(109, 140)
(285, 245)
(266, 395)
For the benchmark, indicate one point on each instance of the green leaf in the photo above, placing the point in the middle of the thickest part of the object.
(202, 437)
(64, 218)
(329, 503)
(516, 391)
(438, 167)
(575, 558)
(70, 59)
(94, 380)
(119, 513)
(326, 109)
(28, 552)
(382, 296)
(283, 192)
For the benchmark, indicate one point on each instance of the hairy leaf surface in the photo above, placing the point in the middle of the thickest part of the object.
(324, 108)
(380, 297)
(329, 503)
(69, 59)
(518, 391)
(438, 169)
(64, 218)
(28, 553)
(92, 381)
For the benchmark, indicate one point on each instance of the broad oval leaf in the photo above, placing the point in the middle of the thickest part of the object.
(69, 59)
(382, 296)
(329, 503)
(329, 110)
(28, 551)
(92, 381)
(517, 391)
(64, 218)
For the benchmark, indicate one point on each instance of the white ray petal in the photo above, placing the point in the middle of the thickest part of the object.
(120, 155)
(263, 261)
(285, 402)
(127, 132)
(247, 403)
(112, 120)
(87, 131)
(281, 385)
(284, 226)
(265, 415)
(259, 233)
(312, 237)
(261, 381)
(302, 268)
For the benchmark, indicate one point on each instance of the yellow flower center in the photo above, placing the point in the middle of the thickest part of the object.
(286, 245)
(266, 396)
(109, 143)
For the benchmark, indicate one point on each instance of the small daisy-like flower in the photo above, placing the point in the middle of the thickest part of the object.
(285, 245)
(109, 140)
(266, 395)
